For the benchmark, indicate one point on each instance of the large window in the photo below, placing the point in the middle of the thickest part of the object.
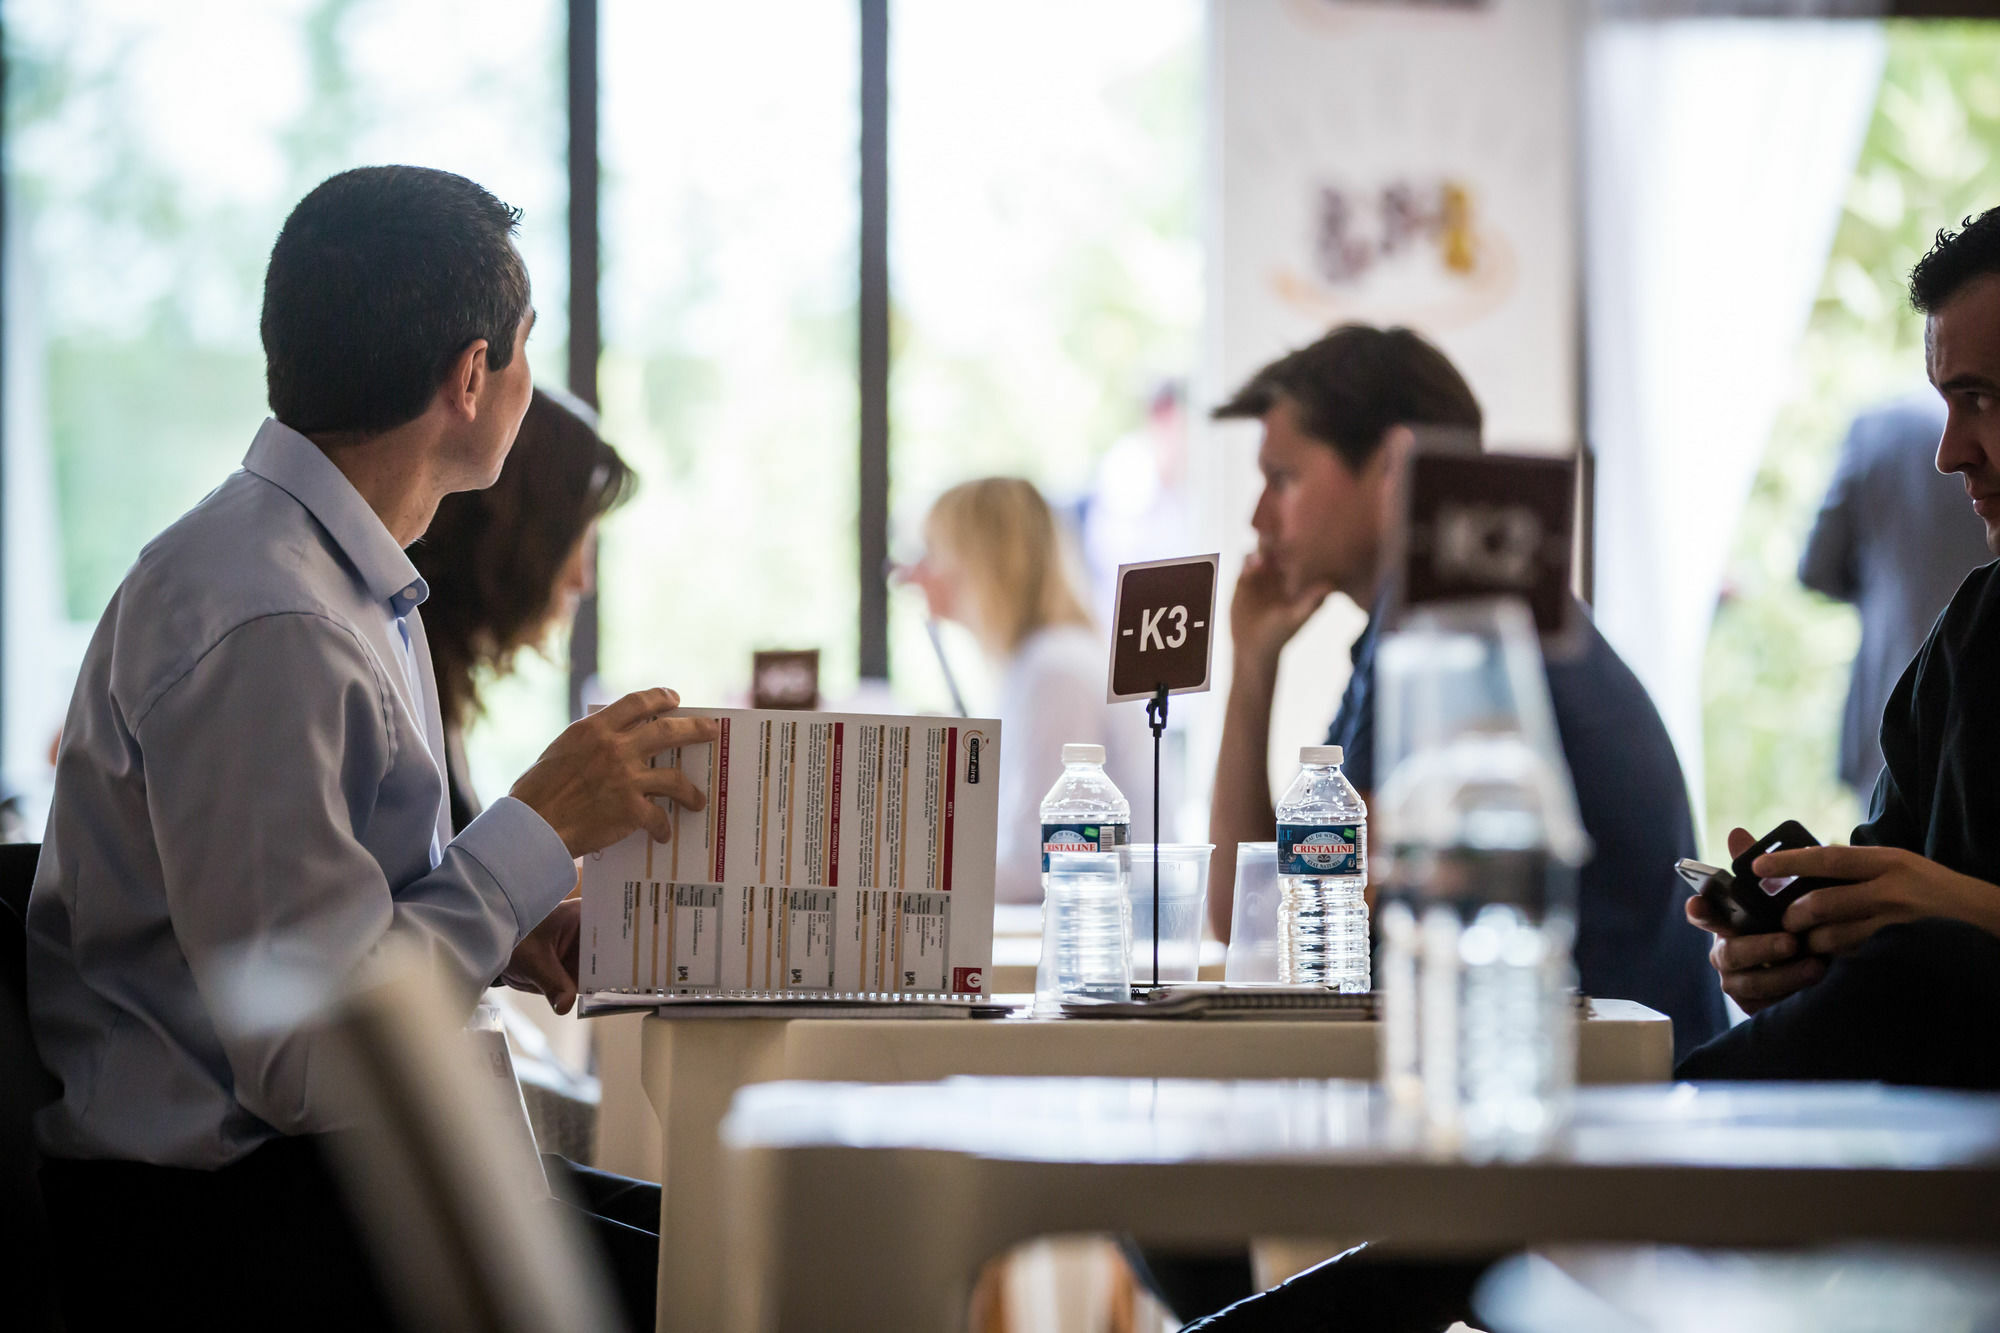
(1044, 163)
(153, 151)
(1778, 657)
(1044, 260)
(728, 377)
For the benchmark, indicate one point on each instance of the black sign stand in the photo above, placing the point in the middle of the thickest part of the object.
(1156, 717)
(1161, 645)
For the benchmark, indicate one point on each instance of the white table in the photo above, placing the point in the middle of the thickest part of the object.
(861, 1207)
(692, 1067)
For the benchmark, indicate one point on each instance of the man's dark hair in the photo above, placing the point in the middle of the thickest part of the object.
(1354, 384)
(380, 279)
(1955, 259)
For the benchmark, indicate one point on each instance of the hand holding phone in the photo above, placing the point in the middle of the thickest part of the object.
(1751, 905)
(1713, 885)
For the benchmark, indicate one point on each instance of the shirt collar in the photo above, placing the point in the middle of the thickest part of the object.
(1364, 643)
(294, 464)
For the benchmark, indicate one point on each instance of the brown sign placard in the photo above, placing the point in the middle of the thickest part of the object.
(785, 679)
(1488, 525)
(1162, 627)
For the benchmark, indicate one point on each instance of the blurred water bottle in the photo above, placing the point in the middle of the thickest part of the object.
(1086, 931)
(1481, 843)
(1083, 812)
(1322, 876)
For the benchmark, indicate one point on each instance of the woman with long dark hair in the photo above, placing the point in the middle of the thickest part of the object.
(507, 565)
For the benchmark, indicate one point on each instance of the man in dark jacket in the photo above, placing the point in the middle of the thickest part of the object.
(1896, 976)
(1895, 538)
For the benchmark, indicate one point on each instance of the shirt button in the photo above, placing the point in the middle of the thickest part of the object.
(410, 592)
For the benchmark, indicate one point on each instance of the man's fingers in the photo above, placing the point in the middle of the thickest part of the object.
(1763, 985)
(656, 821)
(1700, 913)
(1739, 842)
(1835, 902)
(1843, 936)
(1743, 952)
(639, 704)
(673, 784)
(1830, 862)
(656, 734)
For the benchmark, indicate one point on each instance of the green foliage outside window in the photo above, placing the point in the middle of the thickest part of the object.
(1778, 656)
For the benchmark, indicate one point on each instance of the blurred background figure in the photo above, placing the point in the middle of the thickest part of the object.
(1895, 538)
(1138, 506)
(507, 565)
(506, 568)
(996, 562)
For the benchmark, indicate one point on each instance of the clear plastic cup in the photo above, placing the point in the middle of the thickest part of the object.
(1253, 915)
(1183, 908)
(1086, 931)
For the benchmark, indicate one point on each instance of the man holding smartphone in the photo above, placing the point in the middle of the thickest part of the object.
(1894, 975)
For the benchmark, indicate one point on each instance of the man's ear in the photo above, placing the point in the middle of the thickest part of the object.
(465, 381)
(1392, 460)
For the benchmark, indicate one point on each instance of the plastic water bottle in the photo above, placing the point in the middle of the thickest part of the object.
(1086, 918)
(1083, 812)
(1478, 922)
(1322, 873)
(1086, 931)
(1480, 845)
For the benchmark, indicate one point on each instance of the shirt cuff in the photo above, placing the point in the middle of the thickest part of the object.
(525, 857)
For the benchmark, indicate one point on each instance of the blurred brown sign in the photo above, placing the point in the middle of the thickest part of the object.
(1486, 525)
(785, 679)
(1161, 628)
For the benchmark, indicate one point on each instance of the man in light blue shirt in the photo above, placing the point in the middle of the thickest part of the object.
(252, 765)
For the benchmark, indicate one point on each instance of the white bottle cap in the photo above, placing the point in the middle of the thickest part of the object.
(1083, 754)
(1320, 754)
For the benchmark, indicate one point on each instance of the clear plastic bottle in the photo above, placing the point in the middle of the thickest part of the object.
(1477, 927)
(1083, 812)
(1087, 921)
(1480, 846)
(1322, 875)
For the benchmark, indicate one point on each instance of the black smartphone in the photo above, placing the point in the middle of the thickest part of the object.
(1765, 900)
(1716, 887)
(1751, 905)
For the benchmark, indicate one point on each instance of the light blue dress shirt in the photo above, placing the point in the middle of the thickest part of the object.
(252, 766)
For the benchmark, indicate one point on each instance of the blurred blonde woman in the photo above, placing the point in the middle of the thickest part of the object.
(997, 562)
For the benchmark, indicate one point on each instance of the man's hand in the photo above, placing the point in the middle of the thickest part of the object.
(594, 784)
(1756, 970)
(546, 961)
(1890, 885)
(1263, 615)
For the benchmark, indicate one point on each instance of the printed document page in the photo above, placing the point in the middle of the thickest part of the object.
(837, 852)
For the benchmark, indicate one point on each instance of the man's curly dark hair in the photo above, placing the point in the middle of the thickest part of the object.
(1955, 259)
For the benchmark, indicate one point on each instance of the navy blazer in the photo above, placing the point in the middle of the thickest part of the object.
(1633, 940)
(1895, 538)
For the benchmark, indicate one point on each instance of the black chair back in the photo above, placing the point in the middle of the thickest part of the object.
(17, 876)
(27, 1084)
(28, 1301)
